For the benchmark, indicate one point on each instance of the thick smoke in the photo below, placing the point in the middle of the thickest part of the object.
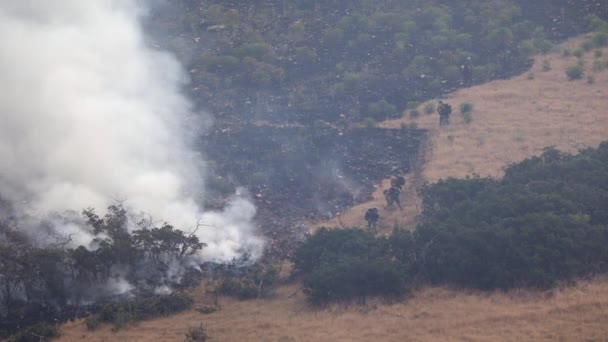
(90, 114)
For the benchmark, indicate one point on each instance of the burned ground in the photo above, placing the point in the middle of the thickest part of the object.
(306, 173)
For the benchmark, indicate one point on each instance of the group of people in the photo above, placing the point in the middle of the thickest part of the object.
(392, 197)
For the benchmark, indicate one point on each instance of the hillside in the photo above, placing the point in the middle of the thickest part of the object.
(512, 119)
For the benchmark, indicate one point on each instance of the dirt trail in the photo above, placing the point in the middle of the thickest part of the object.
(512, 120)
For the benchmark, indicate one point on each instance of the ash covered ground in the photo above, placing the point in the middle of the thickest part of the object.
(303, 174)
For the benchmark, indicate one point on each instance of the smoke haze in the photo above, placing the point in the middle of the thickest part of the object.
(90, 114)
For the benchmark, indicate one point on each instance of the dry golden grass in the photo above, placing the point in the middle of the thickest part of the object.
(513, 119)
(577, 313)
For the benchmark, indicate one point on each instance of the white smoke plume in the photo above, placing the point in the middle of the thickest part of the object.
(89, 114)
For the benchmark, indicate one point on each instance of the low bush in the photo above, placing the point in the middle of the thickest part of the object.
(197, 334)
(257, 282)
(466, 110)
(344, 264)
(39, 332)
(429, 108)
(575, 72)
(121, 314)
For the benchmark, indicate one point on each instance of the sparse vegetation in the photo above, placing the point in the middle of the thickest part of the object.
(123, 313)
(197, 334)
(598, 66)
(466, 110)
(40, 332)
(546, 65)
(530, 75)
(575, 72)
(370, 122)
(414, 114)
(429, 108)
(257, 282)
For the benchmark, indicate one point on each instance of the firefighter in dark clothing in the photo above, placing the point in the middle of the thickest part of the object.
(372, 216)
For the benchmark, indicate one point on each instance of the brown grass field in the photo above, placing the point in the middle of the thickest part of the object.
(512, 119)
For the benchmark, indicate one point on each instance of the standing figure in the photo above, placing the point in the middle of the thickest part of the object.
(467, 72)
(444, 111)
(372, 216)
(392, 196)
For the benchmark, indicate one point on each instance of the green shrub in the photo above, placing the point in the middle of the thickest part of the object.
(466, 107)
(197, 334)
(598, 54)
(544, 45)
(575, 72)
(381, 109)
(257, 282)
(530, 75)
(39, 332)
(370, 122)
(578, 53)
(414, 114)
(467, 117)
(345, 264)
(600, 39)
(590, 79)
(546, 65)
(587, 46)
(429, 108)
(567, 53)
(121, 314)
(92, 322)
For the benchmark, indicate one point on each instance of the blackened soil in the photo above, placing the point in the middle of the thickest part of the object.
(297, 173)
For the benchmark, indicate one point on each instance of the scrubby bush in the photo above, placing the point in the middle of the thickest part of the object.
(39, 332)
(546, 65)
(381, 109)
(197, 334)
(344, 264)
(370, 122)
(575, 72)
(123, 313)
(414, 114)
(256, 282)
(429, 108)
(466, 110)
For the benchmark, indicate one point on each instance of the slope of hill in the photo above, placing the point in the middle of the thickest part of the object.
(512, 119)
